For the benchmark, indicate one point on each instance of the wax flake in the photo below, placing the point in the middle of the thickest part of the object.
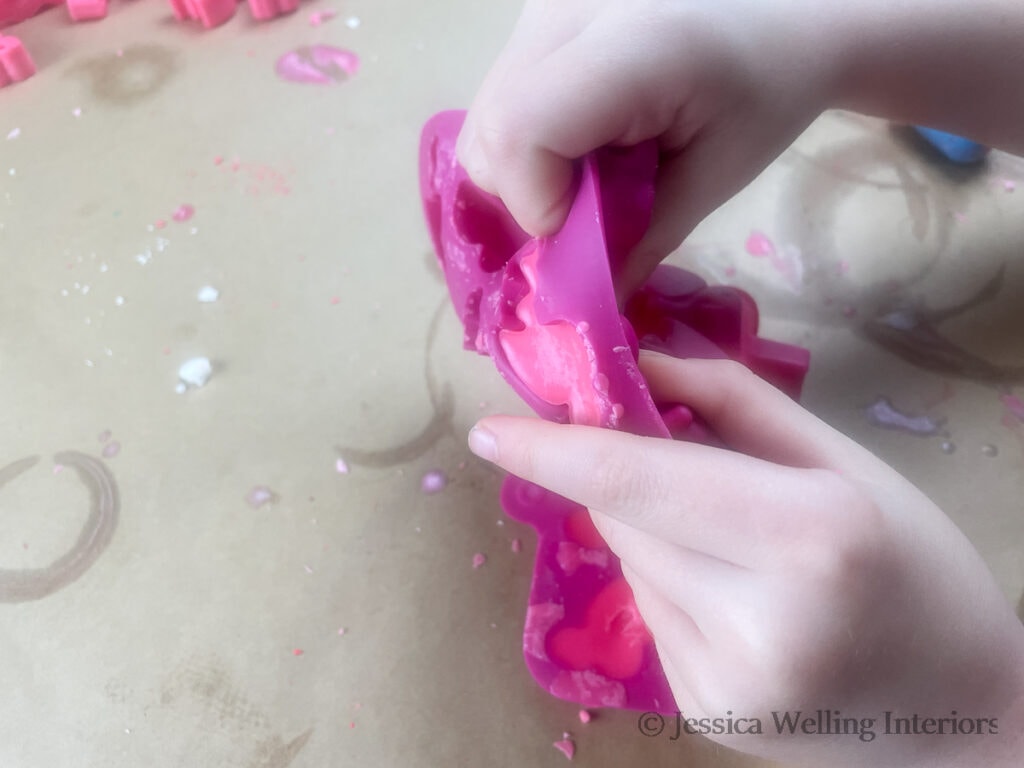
(316, 18)
(341, 467)
(585, 716)
(77, 111)
(478, 560)
(111, 449)
(207, 294)
(758, 244)
(882, 413)
(989, 450)
(517, 546)
(342, 630)
(195, 372)
(14, 133)
(433, 481)
(259, 496)
(184, 212)
(352, 22)
(335, 300)
(104, 436)
(317, 64)
(307, 569)
(948, 447)
(298, 652)
(567, 747)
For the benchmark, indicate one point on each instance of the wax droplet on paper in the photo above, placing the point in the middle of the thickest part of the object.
(208, 294)
(758, 244)
(259, 496)
(433, 481)
(882, 413)
(317, 64)
(111, 449)
(478, 560)
(566, 746)
(184, 212)
(195, 372)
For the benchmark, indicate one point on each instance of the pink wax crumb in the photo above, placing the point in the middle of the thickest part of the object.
(218, 160)
(335, 300)
(58, 468)
(159, 223)
(111, 449)
(259, 496)
(316, 18)
(184, 212)
(517, 546)
(433, 481)
(341, 467)
(566, 746)
(758, 244)
(478, 560)
(298, 652)
(585, 716)
(342, 630)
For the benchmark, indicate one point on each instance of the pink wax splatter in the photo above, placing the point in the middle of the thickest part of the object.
(585, 716)
(259, 496)
(433, 481)
(110, 450)
(517, 546)
(298, 652)
(317, 64)
(758, 244)
(478, 560)
(184, 212)
(335, 301)
(160, 224)
(316, 18)
(566, 746)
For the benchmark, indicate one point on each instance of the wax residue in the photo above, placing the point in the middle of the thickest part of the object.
(787, 261)
(585, 716)
(433, 481)
(259, 496)
(317, 64)
(566, 746)
(883, 413)
(183, 212)
(478, 560)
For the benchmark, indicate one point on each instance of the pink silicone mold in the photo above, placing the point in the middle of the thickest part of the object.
(544, 310)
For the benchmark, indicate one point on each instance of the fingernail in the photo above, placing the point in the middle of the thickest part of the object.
(483, 443)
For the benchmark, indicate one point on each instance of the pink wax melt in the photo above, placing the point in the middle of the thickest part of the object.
(544, 310)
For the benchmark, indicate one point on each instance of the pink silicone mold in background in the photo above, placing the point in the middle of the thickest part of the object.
(544, 310)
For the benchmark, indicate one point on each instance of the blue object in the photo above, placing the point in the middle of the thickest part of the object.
(954, 148)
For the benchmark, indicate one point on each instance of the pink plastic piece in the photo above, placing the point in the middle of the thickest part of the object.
(544, 310)
(13, 11)
(15, 63)
(269, 9)
(210, 13)
(85, 10)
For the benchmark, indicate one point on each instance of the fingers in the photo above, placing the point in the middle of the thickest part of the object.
(534, 119)
(752, 416)
(724, 504)
(692, 580)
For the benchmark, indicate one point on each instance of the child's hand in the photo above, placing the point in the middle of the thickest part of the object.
(724, 86)
(805, 575)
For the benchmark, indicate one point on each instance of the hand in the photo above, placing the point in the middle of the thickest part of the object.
(723, 86)
(800, 574)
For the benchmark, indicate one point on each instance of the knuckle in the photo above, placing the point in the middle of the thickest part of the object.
(620, 482)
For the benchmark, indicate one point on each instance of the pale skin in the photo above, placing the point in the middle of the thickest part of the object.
(797, 571)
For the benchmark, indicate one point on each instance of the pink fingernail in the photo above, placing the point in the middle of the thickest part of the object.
(483, 443)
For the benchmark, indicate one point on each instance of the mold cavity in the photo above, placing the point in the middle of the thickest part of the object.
(482, 220)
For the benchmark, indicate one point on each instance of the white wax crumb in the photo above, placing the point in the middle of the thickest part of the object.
(180, 388)
(118, 300)
(208, 294)
(195, 372)
(352, 22)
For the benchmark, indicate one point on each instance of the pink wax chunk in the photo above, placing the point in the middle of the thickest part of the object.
(210, 13)
(15, 63)
(269, 9)
(86, 10)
